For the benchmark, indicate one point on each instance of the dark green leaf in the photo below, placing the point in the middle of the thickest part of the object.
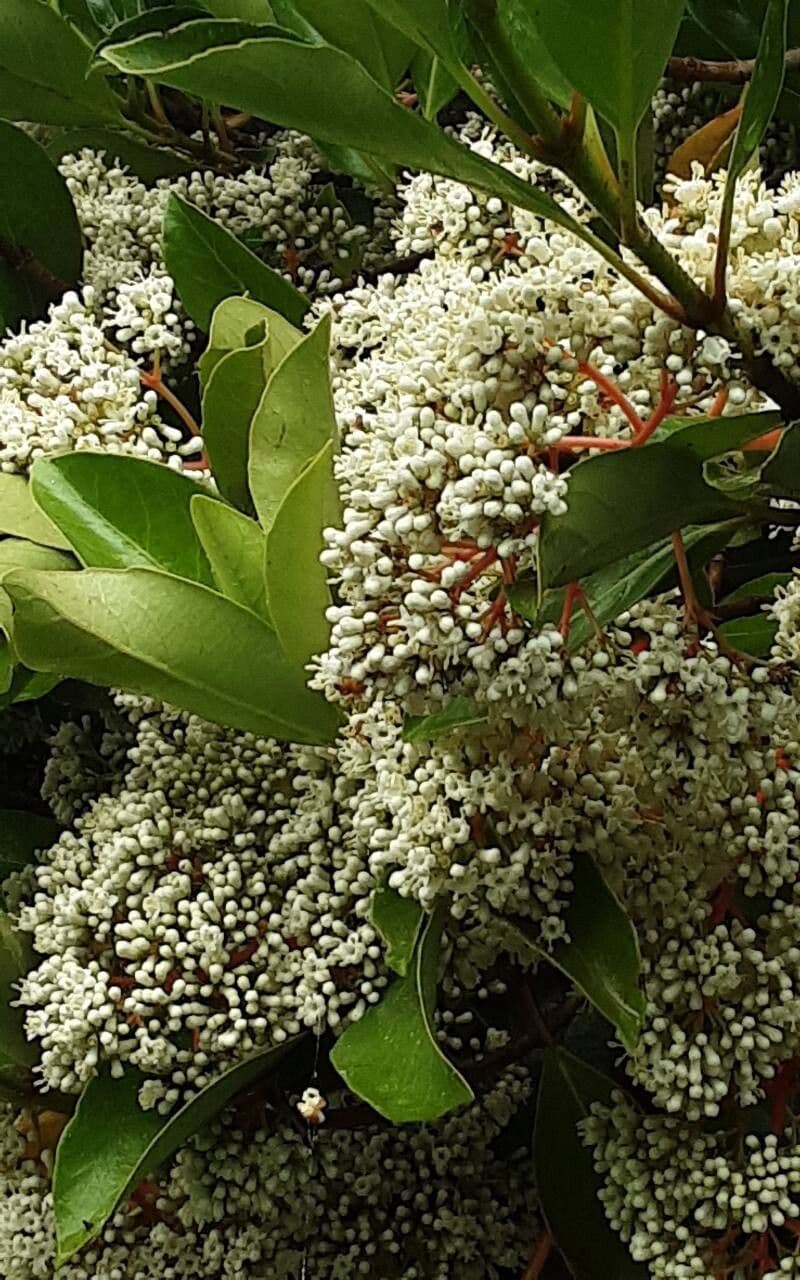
(321, 91)
(612, 51)
(398, 921)
(621, 503)
(148, 162)
(391, 1057)
(507, 30)
(621, 585)
(40, 239)
(20, 516)
(754, 636)
(21, 836)
(428, 24)
(459, 713)
(356, 29)
(17, 1054)
(110, 1143)
(709, 438)
(43, 70)
(780, 474)
(236, 548)
(297, 583)
(762, 588)
(245, 10)
(602, 954)
(762, 93)
(120, 512)
(434, 85)
(565, 1176)
(209, 264)
(165, 637)
(294, 421)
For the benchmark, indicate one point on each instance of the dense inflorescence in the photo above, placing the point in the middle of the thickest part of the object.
(262, 1198)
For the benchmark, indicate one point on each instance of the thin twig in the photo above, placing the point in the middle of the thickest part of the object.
(737, 71)
(541, 1252)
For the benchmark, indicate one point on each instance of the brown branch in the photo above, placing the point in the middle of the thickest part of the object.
(737, 71)
(541, 1252)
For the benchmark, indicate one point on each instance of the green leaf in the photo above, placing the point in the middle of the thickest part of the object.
(391, 1057)
(16, 553)
(209, 264)
(565, 1177)
(294, 421)
(120, 512)
(148, 162)
(754, 636)
(709, 438)
(239, 323)
(459, 713)
(602, 955)
(246, 10)
(44, 68)
(619, 586)
(508, 32)
(111, 1144)
(28, 686)
(322, 91)
(22, 835)
(428, 24)
(621, 503)
(236, 548)
(297, 583)
(17, 1054)
(353, 27)
(612, 51)
(780, 474)
(40, 239)
(162, 18)
(762, 588)
(398, 921)
(20, 516)
(761, 95)
(434, 85)
(178, 641)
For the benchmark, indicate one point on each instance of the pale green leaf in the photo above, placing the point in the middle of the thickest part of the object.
(398, 921)
(148, 632)
(236, 549)
(22, 518)
(119, 512)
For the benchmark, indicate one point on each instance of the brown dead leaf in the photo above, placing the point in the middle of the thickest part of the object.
(706, 146)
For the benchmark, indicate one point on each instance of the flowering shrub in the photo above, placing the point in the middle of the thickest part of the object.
(399, 640)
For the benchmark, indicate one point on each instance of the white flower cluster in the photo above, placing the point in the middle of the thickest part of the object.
(255, 1199)
(64, 385)
(697, 1204)
(285, 212)
(208, 904)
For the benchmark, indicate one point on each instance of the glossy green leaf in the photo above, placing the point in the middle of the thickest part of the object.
(602, 954)
(620, 503)
(148, 162)
(40, 239)
(709, 438)
(761, 588)
(43, 70)
(398, 921)
(324, 92)
(111, 1144)
(297, 583)
(780, 474)
(16, 553)
(236, 549)
(391, 1057)
(246, 10)
(20, 516)
(428, 24)
(294, 421)
(508, 32)
(754, 636)
(168, 638)
(209, 264)
(22, 835)
(434, 85)
(17, 1054)
(612, 51)
(356, 28)
(162, 18)
(565, 1177)
(762, 93)
(620, 585)
(120, 512)
(459, 713)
